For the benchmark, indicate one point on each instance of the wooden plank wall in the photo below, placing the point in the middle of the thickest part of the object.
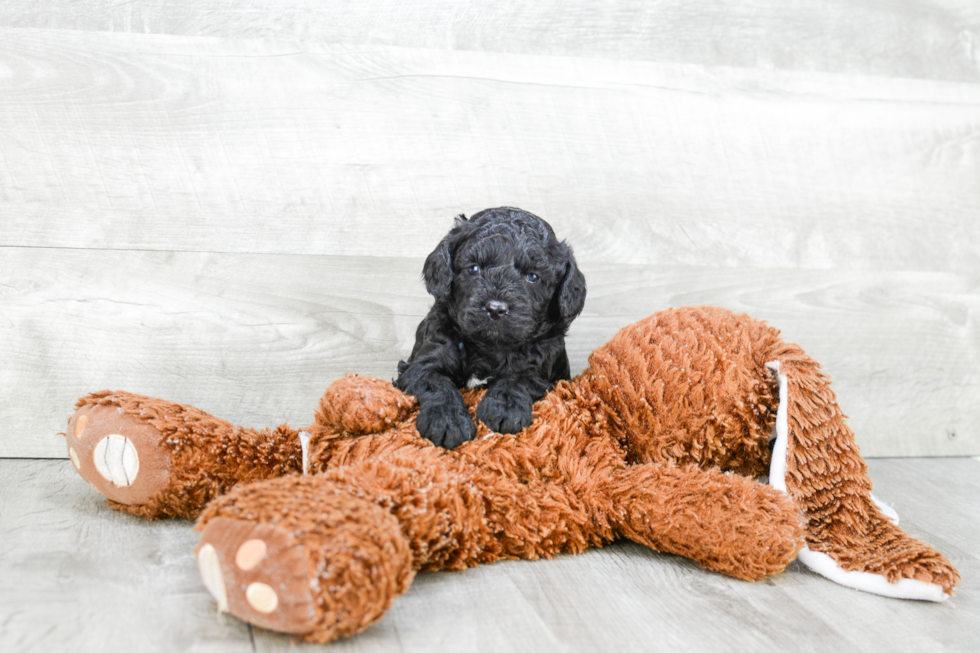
(228, 203)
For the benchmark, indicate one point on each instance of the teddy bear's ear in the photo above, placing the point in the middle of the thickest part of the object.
(438, 269)
(570, 295)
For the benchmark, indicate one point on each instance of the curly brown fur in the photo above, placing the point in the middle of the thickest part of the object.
(354, 559)
(203, 456)
(489, 500)
(560, 486)
(506, 290)
(658, 441)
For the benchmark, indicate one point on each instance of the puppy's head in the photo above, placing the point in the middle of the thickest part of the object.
(505, 277)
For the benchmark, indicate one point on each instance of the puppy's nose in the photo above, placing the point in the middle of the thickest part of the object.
(496, 309)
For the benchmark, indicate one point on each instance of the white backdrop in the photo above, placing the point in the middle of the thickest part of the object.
(228, 203)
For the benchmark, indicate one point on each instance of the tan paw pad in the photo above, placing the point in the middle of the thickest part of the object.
(262, 597)
(265, 572)
(80, 425)
(250, 553)
(119, 453)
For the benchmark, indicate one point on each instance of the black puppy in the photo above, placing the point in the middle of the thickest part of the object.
(506, 290)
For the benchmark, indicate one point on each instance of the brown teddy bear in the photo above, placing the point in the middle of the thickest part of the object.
(661, 440)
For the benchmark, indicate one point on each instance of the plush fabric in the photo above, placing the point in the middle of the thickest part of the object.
(660, 440)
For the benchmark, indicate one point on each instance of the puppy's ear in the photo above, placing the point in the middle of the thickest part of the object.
(438, 269)
(570, 294)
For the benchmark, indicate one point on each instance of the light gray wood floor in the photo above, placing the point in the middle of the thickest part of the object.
(78, 577)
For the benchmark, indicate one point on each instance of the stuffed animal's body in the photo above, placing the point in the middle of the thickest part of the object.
(660, 440)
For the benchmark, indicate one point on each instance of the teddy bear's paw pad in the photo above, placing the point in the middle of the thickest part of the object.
(118, 453)
(258, 573)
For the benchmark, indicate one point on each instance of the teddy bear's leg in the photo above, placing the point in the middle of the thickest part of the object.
(159, 459)
(334, 549)
(303, 555)
(725, 522)
(849, 538)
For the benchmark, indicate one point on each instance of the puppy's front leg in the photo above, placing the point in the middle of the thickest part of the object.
(506, 408)
(445, 420)
(443, 417)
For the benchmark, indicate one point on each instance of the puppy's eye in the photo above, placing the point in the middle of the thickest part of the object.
(532, 278)
(474, 270)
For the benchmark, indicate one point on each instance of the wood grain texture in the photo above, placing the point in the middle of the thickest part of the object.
(256, 339)
(84, 578)
(79, 576)
(199, 144)
(934, 39)
(903, 347)
(227, 204)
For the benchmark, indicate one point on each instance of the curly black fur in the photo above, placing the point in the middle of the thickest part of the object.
(506, 290)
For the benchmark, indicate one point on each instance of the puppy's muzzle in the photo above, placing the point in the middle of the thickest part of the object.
(496, 309)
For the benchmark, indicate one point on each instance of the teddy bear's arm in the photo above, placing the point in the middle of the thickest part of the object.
(360, 405)
(725, 522)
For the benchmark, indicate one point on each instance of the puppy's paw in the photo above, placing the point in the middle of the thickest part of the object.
(504, 413)
(446, 425)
